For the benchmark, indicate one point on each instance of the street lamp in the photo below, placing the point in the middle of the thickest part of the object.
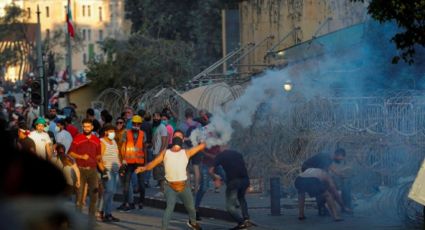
(287, 86)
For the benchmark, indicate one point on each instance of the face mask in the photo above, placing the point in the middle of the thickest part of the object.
(156, 122)
(57, 129)
(111, 136)
(164, 122)
(177, 141)
(135, 128)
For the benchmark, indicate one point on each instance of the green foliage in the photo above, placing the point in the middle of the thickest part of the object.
(143, 63)
(193, 21)
(409, 16)
(53, 46)
(11, 29)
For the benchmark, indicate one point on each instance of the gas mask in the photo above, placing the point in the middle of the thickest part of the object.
(177, 141)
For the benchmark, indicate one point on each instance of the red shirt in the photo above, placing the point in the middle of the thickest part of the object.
(72, 130)
(91, 146)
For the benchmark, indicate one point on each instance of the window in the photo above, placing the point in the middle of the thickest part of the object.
(100, 14)
(84, 10)
(47, 12)
(88, 11)
(84, 34)
(100, 35)
(47, 34)
(84, 58)
(29, 12)
(89, 34)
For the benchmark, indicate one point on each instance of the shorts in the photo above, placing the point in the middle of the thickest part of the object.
(311, 185)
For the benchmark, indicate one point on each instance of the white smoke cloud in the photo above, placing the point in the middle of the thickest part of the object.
(264, 89)
(354, 70)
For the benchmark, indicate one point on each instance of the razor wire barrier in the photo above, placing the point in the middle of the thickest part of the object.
(154, 100)
(383, 135)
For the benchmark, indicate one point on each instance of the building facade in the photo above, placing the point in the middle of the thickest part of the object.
(94, 21)
(288, 22)
(264, 29)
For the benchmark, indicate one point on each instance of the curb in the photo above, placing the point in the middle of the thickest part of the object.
(205, 212)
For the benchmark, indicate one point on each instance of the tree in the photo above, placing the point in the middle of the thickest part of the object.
(193, 21)
(52, 46)
(13, 35)
(142, 62)
(410, 18)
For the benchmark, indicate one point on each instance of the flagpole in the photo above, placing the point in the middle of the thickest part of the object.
(44, 100)
(69, 50)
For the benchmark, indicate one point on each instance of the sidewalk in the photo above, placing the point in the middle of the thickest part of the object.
(213, 207)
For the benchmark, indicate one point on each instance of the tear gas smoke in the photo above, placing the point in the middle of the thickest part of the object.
(358, 69)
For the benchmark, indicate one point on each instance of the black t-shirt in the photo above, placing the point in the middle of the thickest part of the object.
(321, 161)
(147, 128)
(96, 126)
(232, 163)
(27, 144)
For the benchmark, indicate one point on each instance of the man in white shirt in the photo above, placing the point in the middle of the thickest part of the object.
(160, 143)
(175, 161)
(63, 136)
(41, 139)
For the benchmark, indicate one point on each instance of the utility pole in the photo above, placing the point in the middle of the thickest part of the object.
(69, 52)
(43, 104)
(69, 59)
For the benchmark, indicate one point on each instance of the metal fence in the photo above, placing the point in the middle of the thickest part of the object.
(384, 137)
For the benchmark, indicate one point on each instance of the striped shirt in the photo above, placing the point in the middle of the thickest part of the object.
(110, 156)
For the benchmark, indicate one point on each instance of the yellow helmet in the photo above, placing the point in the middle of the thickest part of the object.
(137, 119)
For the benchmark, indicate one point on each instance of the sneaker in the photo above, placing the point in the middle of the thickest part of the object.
(121, 207)
(239, 226)
(198, 216)
(124, 208)
(248, 223)
(99, 216)
(132, 206)
(193, 226)
(110, 218)
(140, 206)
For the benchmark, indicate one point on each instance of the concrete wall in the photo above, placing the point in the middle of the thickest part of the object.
(82, 97)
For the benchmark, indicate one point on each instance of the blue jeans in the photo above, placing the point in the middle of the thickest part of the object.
(110, 187)
(205, 183)
(140, 182)
(235, 192)
(148, 174)
(171, 196)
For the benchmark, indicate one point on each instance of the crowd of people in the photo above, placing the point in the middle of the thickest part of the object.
(100, 156)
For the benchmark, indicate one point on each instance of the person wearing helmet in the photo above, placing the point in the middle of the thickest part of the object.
(133, 155)
(43, 143)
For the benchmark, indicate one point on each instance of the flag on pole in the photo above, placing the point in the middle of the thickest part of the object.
(69, 20)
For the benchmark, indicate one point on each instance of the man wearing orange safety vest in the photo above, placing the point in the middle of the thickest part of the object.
(133, 155)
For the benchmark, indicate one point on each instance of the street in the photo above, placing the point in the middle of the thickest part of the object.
(150, 218)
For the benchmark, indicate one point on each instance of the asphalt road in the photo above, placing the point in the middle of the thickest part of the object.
(150, 218)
